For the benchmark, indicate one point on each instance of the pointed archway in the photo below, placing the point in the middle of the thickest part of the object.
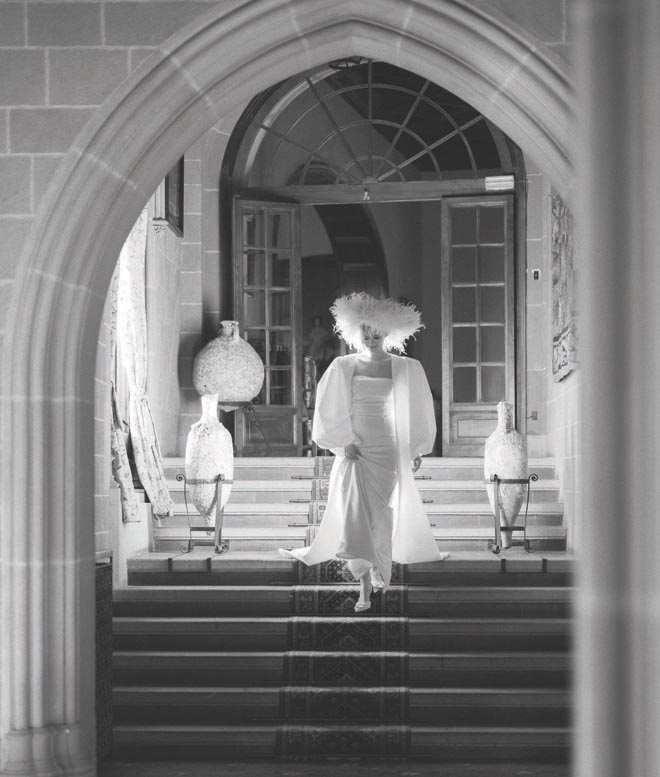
(204, 72)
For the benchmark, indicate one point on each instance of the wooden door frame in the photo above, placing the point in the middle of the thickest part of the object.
(295, 285)
(340, 194)
(420, 191)
(515, 329)
(520, 274)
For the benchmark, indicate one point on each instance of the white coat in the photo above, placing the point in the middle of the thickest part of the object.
(412, 538)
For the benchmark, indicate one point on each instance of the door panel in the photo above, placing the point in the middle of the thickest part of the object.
(478, 319)
(267, 293)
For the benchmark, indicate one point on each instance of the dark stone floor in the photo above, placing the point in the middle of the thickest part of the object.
(329, 769)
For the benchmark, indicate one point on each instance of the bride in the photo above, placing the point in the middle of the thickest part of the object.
(374, 410)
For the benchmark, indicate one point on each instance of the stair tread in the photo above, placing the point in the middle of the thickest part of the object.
(543, 484)
(412, 621)
(535, 656)
(279, 508)
(229, 532)
(164, 592)
(459, 561)
(273, 689)
(334, 727)
(302, 461)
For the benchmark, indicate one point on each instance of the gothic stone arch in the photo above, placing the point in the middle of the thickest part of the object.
(196, 77)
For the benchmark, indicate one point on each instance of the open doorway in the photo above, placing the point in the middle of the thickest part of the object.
(388, 184)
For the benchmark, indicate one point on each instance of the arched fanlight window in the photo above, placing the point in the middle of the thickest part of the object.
(360, 121)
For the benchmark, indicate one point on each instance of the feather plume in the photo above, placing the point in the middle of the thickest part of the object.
(396, 320)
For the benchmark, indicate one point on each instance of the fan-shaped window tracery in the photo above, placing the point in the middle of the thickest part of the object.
(360, 121)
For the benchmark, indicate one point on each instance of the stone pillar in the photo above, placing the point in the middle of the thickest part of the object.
(617, 65)
(47, 661)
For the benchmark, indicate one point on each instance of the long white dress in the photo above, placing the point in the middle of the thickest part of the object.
(374, 514)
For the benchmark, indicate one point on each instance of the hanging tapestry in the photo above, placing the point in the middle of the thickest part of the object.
(121, 468)
(564, 337)
(132, 335)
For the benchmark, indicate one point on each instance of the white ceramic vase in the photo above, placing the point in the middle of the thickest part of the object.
(229, 367)
(505, 455)
(209, 453)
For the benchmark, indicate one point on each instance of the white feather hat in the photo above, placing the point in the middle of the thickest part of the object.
(396, 320)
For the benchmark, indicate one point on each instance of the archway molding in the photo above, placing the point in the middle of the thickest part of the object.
(203, 73)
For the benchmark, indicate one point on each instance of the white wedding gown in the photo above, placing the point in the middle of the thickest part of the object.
(368, 484)
(374, 513)
(365, 488)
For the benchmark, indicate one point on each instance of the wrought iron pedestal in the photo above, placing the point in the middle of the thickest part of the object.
(496, 545)
(219, 545)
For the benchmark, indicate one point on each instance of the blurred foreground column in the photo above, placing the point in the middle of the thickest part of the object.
(617, 67)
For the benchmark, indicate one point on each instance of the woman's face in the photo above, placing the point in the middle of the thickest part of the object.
(373, 341)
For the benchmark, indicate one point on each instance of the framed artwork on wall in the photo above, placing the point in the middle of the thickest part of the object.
(174, 197)
(564, 334)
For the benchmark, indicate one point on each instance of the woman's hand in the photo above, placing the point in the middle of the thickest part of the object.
(417, 463)
(352, 452)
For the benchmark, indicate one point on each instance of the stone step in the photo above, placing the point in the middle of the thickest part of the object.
(329, 600)
(309, 742)
(202, 566)
(364, 632)
(365, 705)
(266, 468)
(485, 669)
(249, 538)
(277, 516)
(304, 491)
(286, 468)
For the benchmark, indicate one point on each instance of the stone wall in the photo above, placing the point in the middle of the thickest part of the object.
(564, 424)
(164, 288)
(189, 337)
(105, 512)
(61, 60)
(538, 329)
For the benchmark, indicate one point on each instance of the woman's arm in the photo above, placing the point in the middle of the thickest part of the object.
(332, 426)
(422, 412)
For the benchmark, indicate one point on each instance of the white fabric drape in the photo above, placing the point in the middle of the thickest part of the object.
(132, 334)
(121, 468)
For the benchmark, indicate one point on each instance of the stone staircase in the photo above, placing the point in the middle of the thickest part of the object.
(247, 655)
(279, 502)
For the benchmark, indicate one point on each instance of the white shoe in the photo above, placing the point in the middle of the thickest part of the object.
(377, 582)
(287, 553)
(364, 604)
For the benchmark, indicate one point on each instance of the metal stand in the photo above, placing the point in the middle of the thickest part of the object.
(220, 547)
(496, 546)
(310, 371)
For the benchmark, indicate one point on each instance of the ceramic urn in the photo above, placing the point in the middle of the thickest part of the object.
(229, 367)
(209, 453)
(227, 370)
(505, 455)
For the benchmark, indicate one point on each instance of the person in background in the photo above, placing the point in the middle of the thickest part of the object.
(315, 339)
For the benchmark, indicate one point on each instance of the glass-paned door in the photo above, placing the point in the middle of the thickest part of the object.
(478, 319)
(267, 304)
